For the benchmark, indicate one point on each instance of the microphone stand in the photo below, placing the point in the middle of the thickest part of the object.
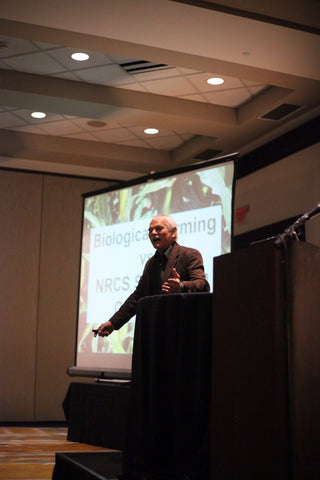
(293, 232)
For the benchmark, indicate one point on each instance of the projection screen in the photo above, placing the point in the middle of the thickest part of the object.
(115, 247)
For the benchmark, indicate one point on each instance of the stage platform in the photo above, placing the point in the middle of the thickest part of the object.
(88, 466)
(104, 466)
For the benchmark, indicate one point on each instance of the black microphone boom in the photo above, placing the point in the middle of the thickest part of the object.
(291, 232)
(302, 220)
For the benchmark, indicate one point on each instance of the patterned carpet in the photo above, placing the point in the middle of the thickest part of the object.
(28, 453)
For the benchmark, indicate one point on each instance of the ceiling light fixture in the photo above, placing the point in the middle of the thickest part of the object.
(151, 131)
(96, 123)
(215, 81)
(38, 115)
(80, 56)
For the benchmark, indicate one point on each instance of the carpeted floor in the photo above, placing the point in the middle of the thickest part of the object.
(28, 453)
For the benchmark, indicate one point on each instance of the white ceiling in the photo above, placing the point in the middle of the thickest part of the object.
(268, 55)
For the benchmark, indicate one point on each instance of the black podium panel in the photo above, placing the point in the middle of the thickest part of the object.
(171, 381)
(97, 413)
(87, 466)
(304, 301)
(265, 364)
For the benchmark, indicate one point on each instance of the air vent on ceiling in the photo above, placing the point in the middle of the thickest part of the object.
(281, 111)
(141, 66)
(207, 154)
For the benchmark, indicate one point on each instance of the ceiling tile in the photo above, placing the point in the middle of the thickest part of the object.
(170, 86)
(43, 46)
(249, 83)
(228, 98)
(254, 90)
(134, 86)
(114, 135)
(120, 60)
(186, 136)
(15, 46)
(63, 127)
(186, 71)
(104, 75)
(156, 74)
(38, 62)
(67, 76)
(30, 129)
(8, 120)
(165, 143)
(136, 142)
(3, 64)
(196, 97)
(83, 136)
(3, 108)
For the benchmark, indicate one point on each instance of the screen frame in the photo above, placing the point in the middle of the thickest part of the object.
(101, 373)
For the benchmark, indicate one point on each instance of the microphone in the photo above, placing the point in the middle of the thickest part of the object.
(290, 232)
(307, 216)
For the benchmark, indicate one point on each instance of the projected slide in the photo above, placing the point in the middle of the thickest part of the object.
(116, 246)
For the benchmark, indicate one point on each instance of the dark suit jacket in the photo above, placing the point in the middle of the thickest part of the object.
(188, 263)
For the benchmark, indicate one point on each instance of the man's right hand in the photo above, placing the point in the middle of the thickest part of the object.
(105, 329)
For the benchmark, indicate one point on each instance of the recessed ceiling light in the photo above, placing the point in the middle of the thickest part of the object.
(38, 115)
(215, 81)
(151, 131)
(80, 56)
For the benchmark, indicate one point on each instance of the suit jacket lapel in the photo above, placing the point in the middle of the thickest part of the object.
(153, 278)
(172, 262)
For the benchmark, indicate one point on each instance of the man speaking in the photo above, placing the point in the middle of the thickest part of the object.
(172, 269)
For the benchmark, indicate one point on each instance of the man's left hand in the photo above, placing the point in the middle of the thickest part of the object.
(173, 284)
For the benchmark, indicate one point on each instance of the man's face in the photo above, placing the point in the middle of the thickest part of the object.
(160, 236)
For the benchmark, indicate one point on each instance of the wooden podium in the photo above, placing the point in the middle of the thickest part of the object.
(265, 420)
